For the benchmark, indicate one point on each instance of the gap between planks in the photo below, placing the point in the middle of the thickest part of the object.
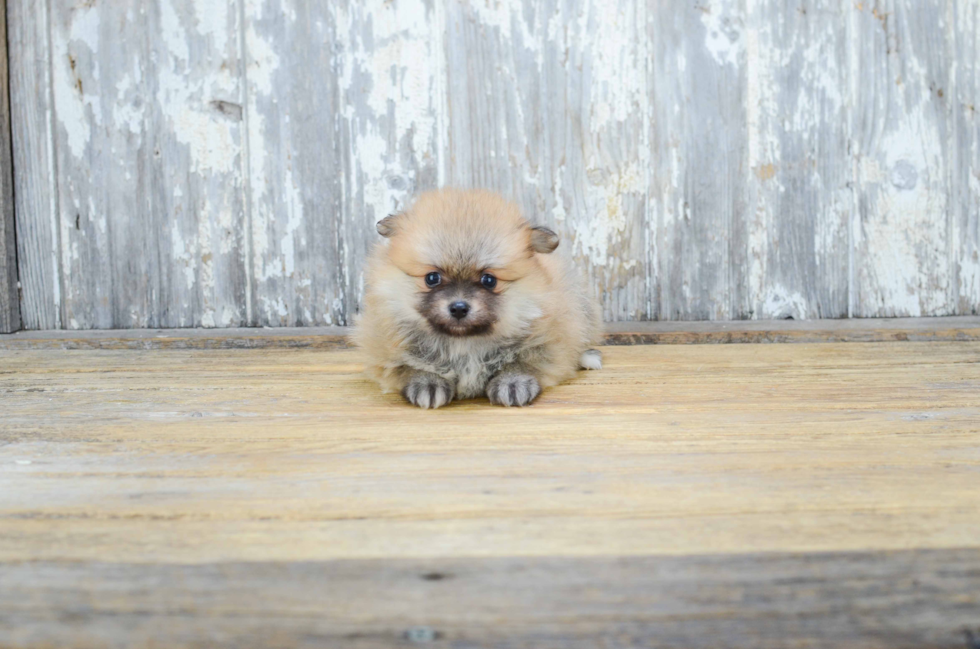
(952, 328)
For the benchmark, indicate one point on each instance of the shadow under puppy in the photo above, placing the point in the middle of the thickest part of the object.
(464, 298)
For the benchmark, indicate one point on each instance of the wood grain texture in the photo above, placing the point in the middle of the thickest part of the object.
(869, 600)
(257, 497)
(866, 330)
(295, 163)
(965, 138)
(148, 144)
(903, 63)
(726, 159)
(793, 236)
(9, 297)
(699, 155)
(172, 456)
(35, 181)
(342, 130)
(511, 69)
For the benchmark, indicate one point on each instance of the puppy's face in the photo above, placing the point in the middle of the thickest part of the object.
(460, 302)
(470, 258)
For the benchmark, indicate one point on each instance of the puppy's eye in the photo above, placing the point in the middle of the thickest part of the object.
(488, 281)
(433, 279)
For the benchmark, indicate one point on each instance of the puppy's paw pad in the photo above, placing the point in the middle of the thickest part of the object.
(513, 390)
(591, 359)
(428, 391)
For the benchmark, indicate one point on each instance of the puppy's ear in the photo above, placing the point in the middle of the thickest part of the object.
(543, 240)
(386, 226)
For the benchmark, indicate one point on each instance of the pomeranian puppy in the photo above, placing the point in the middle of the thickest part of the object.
(464, 298)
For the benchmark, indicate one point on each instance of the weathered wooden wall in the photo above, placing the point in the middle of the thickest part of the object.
(9, 299)
(213, 163)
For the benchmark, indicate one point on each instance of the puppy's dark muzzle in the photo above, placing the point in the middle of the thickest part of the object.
(459, 309)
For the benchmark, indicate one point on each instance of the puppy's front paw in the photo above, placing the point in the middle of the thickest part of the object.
(513, 389)
(428, 390)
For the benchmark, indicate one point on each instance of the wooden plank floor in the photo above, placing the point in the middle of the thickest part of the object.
(807, 495)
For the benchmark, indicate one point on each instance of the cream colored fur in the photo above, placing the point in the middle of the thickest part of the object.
(546, 318)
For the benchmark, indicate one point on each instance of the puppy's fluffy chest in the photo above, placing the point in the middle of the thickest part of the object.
(468, 363)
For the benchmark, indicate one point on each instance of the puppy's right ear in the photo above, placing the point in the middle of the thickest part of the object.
(386, 226)
(543, 240)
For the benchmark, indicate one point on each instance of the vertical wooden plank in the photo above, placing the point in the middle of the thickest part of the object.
(964, 29)
(799, 171)
(547, 104)
(343, 112)
(392, 84)
(295, 162)
(9, 298)
(93, 48)
(699, 155)
(147, 139)
(197, 273)
(35, 185)
(900, 62)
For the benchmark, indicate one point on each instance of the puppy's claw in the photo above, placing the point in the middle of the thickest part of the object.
(428, 391)
(513, 389)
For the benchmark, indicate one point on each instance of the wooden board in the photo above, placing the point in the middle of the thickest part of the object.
(35, 180)
(901, 139)
(512, 68)
(148, 144)
(950, 328)
(342, 128)
(699, 156)
(965, 170)
(793, 239)
(9, 294)
(864, 600)
(255, 497)
(223, 164)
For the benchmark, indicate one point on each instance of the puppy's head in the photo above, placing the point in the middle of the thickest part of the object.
(471, 259)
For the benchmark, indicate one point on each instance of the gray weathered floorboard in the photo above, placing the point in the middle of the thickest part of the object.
(871, 600)
(222, 164)
(9, 299)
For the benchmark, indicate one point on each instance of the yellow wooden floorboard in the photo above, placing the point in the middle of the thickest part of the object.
(198, 456)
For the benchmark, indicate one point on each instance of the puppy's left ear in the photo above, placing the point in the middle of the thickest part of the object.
(386, 226)
(543, 240)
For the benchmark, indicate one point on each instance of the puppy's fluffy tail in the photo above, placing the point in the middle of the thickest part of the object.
(591, 359)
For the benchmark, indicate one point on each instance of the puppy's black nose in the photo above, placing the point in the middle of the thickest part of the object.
(459, 309)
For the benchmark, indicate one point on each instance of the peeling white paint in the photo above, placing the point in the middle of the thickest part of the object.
(568, 129)
(294, 219)
(780, 303)
(723, 30)
(76, 107)
(398, 71)
(174, 34)
(596, 236)
(180, 254)
(263, 61)
(211, 22)
(558, 212)
(902, 238)
(618, 87)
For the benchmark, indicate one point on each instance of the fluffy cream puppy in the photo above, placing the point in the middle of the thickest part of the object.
(465, 298)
